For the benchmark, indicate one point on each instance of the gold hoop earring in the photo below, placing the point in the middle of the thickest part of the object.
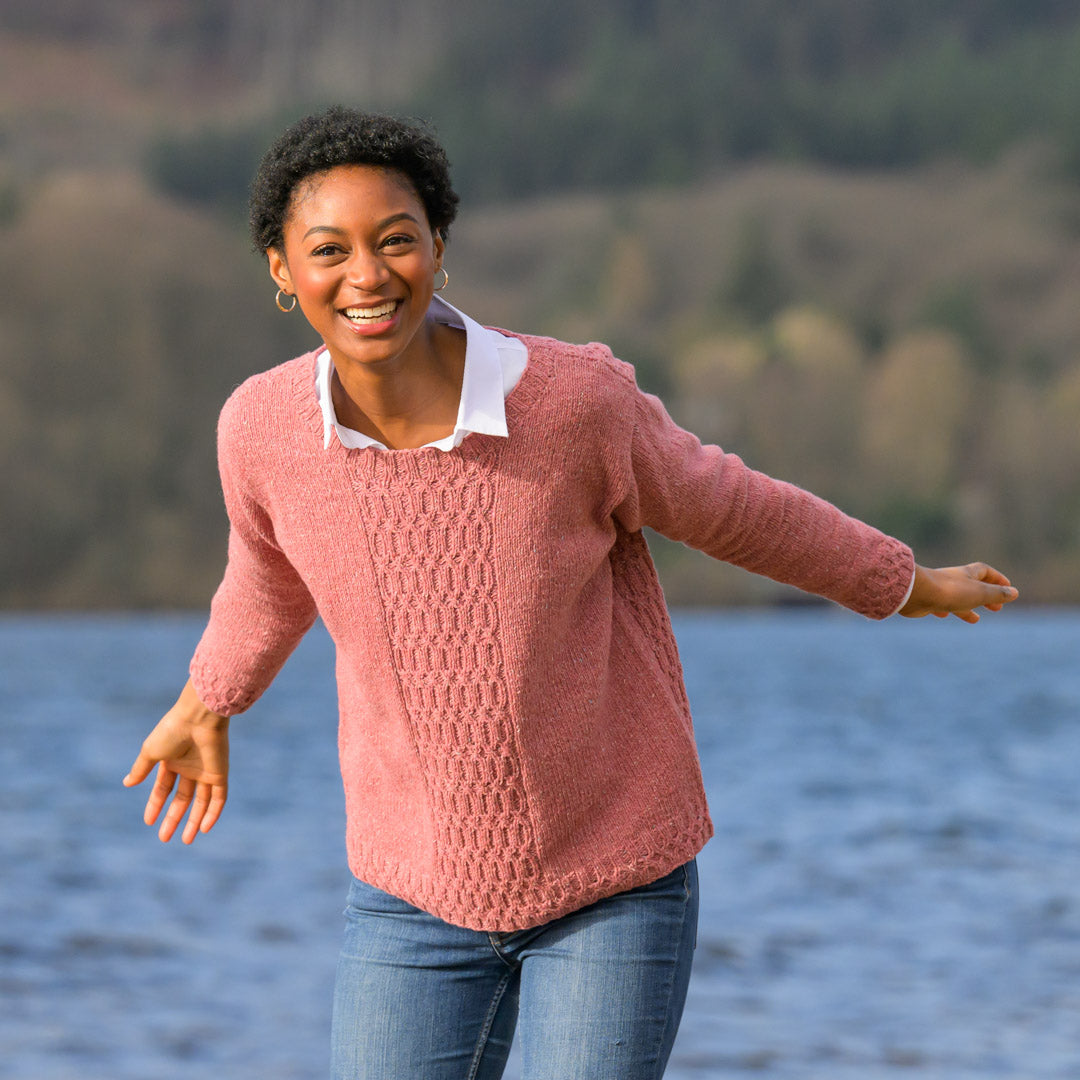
(280, 305)
(446, 278)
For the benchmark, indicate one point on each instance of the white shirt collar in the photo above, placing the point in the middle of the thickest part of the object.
(484, 384)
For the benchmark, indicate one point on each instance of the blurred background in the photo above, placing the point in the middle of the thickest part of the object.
(840, 238)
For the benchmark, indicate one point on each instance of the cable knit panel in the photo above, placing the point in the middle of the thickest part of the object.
(514, 732)
(428, 520)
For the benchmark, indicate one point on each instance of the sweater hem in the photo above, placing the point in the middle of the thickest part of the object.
(525, 905)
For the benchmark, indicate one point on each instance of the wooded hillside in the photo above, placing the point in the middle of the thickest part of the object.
(841, 239)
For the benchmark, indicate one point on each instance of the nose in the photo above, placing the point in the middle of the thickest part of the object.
(367, 271)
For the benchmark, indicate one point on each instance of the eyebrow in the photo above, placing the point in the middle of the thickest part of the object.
(403, 216)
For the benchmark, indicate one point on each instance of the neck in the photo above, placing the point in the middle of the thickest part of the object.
(407, 402)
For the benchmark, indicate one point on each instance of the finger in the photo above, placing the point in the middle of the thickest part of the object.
(983, 572)
(181, 800)
(997, 587)
(206, 808)
(200, 805)
(159, 793)
(967, 616)
(218, 794)
(140, 770)
(1001, 595)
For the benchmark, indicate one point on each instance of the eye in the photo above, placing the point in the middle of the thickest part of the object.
(398, 239)
(324, 250)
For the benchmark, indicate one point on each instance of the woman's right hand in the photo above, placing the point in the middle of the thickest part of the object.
(190, 746)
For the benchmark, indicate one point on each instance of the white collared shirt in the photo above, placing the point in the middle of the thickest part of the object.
(493, 365)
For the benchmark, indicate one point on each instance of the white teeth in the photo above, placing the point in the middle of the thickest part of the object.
(372, 314)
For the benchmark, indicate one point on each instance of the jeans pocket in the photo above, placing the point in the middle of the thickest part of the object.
(678, 882)
(365, 899)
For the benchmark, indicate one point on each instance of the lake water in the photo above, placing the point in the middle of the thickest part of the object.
(894, 889)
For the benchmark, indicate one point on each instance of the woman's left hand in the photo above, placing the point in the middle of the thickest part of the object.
(958, 590)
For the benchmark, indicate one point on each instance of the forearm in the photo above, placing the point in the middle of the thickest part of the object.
(259, 613)
(790, 535)
(711, 500)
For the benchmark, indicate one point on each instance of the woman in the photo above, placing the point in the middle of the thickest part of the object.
(464, 508)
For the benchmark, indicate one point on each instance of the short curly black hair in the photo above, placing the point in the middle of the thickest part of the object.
(343, 136)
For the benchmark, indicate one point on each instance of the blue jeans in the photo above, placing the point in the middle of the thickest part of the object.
(595, 995)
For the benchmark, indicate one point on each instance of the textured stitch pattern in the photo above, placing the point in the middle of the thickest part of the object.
(429, 526)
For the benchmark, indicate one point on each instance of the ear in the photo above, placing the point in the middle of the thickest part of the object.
(440, 248)
(279, 269)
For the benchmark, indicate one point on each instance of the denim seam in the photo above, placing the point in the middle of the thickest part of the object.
(686, 886)
(672, 968)
(489, 1020)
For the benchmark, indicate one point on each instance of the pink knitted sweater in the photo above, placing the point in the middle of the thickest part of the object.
(514, 734)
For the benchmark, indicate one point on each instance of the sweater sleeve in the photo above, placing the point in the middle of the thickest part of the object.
(710, 500)
(262, 608)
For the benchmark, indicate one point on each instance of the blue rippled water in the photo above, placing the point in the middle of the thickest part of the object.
(894, 889)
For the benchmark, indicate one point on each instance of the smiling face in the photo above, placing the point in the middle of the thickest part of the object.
(361, 258)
